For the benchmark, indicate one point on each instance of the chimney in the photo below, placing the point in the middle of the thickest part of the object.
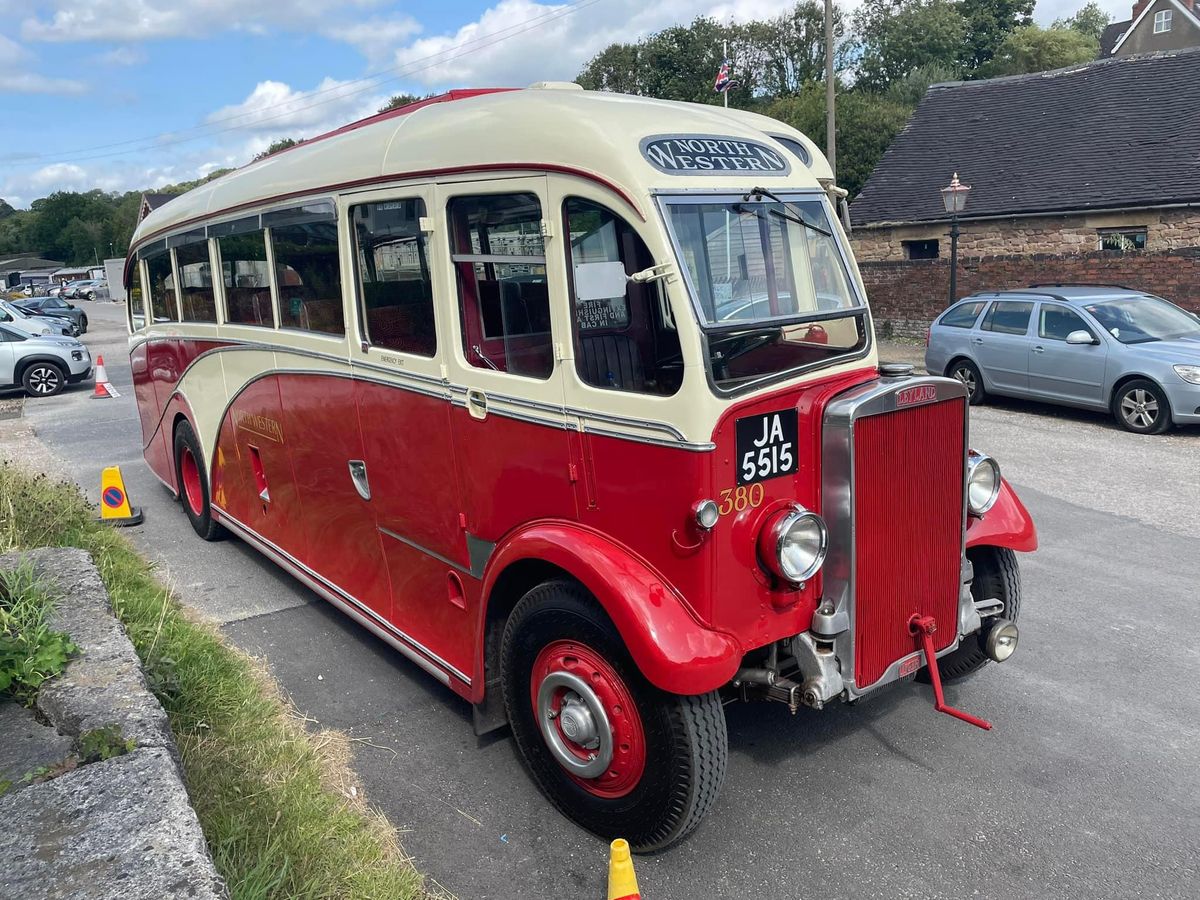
(1138, 6)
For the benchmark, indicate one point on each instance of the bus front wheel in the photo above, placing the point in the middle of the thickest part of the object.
(611, 752)
(193, 484)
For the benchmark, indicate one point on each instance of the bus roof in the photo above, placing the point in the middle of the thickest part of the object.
(547, 127)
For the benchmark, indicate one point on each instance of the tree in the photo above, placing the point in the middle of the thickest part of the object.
(1034, 49)
(793, 47)
(989, 23)
(1091, 20)
(897, 37)
(276, 146)
(399, 100)
(6, 210)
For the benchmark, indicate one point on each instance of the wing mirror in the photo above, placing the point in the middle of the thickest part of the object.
(1081, 337)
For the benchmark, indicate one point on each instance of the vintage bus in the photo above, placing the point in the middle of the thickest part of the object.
(573, 398)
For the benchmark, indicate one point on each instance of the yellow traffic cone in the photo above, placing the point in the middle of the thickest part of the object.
(622, 883)
(114, 502)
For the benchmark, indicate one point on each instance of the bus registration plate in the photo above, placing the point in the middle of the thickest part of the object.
(766, 446)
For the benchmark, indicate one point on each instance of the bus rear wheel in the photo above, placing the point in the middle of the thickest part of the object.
(612, 752)
(193, 485)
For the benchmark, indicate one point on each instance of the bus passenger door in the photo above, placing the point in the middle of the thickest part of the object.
(403, 407)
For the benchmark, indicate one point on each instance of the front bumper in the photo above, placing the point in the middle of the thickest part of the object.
(1185, 401)
(76, 378)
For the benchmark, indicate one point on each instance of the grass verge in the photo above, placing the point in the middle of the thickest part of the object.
(277, 820)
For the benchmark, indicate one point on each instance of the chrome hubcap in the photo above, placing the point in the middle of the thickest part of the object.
(43, 381)
(578, 718)
(1139, 408)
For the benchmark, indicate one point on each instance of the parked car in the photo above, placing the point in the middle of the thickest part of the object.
(68, 290)
(56, 307)
(1133, 354)
(86, 290)
(34, 324)
(41, 364)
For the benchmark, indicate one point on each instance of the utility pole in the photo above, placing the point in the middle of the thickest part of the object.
(724, 57)
(830, 116)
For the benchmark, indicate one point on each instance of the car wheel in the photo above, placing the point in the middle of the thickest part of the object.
(610, 751)
(968, 373)
(83, 325)
(90, 295)
(1141, 406)
(193, 485)
(997, 577)
(43, 379)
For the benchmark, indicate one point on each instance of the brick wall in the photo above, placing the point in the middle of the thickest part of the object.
(906, 296)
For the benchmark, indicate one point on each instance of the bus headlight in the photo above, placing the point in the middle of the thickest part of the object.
(983, 483)
(793, 544)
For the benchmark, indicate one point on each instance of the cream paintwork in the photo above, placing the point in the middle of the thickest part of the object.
(602, 136)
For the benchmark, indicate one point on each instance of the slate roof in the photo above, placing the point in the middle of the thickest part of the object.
(1110, 36)
(155, 200)
(1116, 133)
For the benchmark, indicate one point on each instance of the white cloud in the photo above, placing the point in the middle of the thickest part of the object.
(139, 20)
(375, 38)
(15, 77)
(122, 56)
(276, 108)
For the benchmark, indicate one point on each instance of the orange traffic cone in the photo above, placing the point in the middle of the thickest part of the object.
(104, 388)
(622, 883)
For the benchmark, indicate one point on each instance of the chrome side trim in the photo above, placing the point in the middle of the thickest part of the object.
(356, 609)
(837, 504)
(442, 559)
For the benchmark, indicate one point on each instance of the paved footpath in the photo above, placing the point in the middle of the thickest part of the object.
(1088, 787)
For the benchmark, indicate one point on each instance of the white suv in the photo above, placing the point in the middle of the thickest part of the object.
(42, 364)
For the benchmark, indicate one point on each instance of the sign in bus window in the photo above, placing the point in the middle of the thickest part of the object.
(309, 278)
(394, 285)
(499, 256)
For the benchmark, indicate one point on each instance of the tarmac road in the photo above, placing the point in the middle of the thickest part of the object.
(1089, 786)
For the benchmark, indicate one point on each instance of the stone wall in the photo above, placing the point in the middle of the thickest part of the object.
(906, 296)
(1166, 229)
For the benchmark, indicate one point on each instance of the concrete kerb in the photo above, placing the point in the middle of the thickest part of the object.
(123, 827)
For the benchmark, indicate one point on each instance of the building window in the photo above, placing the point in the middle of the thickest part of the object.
(920, 249)
(1123, 239)
(1162, 21)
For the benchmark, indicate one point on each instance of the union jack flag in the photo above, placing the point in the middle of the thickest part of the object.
(724, 81)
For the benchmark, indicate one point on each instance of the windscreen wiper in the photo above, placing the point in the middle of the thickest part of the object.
(760, 192)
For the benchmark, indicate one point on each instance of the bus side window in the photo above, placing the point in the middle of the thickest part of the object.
(394, 288)
(624, 342)
(137, 298)
(195, 282)
(499, 257)
(162, 287)
(307, 268)
(246, 278)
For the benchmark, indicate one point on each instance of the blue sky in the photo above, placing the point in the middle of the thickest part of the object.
(129, 94)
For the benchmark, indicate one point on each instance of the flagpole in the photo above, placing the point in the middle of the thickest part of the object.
(830, 91)
(725, 56)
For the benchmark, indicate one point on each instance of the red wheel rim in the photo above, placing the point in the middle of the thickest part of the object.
(190, 474)
(623, 718)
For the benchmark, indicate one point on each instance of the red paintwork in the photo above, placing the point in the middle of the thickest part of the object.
(1006, 524)
(908, 501)
(671, 648)
(628, 736)
(923, 628)
(193, 493)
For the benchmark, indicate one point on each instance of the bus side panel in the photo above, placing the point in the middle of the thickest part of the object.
(267, 501)
(143, 391)
(342, 541)
(409, 454)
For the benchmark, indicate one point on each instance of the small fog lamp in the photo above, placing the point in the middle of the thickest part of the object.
(1002, 640)
(983, 483)
(707, 514)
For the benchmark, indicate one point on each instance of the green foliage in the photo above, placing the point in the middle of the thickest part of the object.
(989, 23)
(1034, 49)
(895, 39)
(277, 824)
(30, 650)
(276, 146)
(103, 743)
(398, 100)
(1091, 21)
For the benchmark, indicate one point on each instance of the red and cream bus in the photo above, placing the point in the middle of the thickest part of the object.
(573, 398)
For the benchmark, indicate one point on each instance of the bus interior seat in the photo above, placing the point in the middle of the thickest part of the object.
(613, 360)
(321, 315)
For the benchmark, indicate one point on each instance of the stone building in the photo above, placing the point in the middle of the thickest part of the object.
(1084, 174)
(1155, 25)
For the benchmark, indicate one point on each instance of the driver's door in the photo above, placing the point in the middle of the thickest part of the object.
(1062, 371)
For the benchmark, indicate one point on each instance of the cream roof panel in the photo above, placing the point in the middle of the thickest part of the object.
(597, 132)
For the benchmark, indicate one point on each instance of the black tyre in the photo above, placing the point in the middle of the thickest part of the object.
(968, 373)
(1141, 406)
(43, 379)
(996, 577)
(649, 768)
(91, 295)
(83, 325)
(193, 484)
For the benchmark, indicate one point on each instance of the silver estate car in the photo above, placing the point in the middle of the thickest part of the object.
(42, 364)
(1093, 346)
